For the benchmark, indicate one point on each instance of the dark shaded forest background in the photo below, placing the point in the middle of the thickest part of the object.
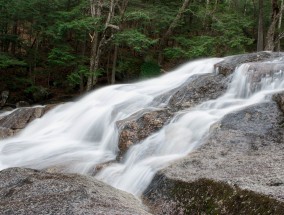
(56, 49)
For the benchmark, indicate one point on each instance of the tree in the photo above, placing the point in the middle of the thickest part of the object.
(100, 39)
(271, 33)
(122, 9)
(260, 26)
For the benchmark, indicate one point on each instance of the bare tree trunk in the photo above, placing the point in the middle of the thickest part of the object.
(93, 56)
(279, 28)
(82, 75)
(114, 64)
(99, 43)
(96, 7)
(15, 33)
(270, 38)
(122, 9)
(260, 26)
(170, 30)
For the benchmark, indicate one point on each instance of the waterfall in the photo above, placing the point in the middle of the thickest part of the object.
(186, 130)
(75, 137)
(78, 136)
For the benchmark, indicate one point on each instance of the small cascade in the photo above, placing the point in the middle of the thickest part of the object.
(187, 130)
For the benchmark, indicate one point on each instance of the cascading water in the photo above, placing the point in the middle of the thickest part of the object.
(80, 135)
(186, 130)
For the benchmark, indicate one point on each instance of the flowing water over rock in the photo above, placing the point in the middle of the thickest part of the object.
(187, 130)
(76, 137)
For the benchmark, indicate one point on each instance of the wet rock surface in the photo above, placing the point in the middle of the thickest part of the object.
(195, 91)
(26, 191)
(21, 117)
(6, 132)
(279, 99)
(18, 119)
(141, 126)
(239, 169)
(228, 65)
(200, 89)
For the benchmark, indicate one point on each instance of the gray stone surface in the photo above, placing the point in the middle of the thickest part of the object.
(6, 132)
(228, 65)
(244, 156)
(4, 97)
(139, 126)
(279, 99)
(142, 124)
(18, 119)
(31, 192)
(200, 89)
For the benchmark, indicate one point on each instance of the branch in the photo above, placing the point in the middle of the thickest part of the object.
(113, 26)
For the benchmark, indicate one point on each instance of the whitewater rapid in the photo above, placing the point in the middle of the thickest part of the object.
(76, 137)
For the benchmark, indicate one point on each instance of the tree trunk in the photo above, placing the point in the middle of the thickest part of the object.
(122, 9)
(82, 75)
(279, 28)
(99, 43)
(96, 7)
(114, 64)
(260, 26)
(94, 43)
(270, 38)
(15, 33)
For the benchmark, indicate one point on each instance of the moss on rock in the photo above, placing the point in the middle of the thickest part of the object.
(206, 196)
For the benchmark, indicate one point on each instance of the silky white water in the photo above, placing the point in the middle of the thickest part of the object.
(78, 136)
(186, 130)
(75, 137)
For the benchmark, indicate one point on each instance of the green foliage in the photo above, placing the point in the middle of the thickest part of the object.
(75, 77)
(7, 61)
(61, 57)
(128, 68)
(174, 53)
(149, 70)
(134, 39)
(37, 93)
(194, 47)
(138, 16)
(231, 28)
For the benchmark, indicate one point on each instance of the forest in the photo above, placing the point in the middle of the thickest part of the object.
(56, 49)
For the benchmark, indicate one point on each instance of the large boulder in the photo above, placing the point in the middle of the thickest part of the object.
(237, 171)
(202, 88)
(229, 64)
(140, 126)
(4, 97)
(16, 120)
(27, 191)
(19, 118)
